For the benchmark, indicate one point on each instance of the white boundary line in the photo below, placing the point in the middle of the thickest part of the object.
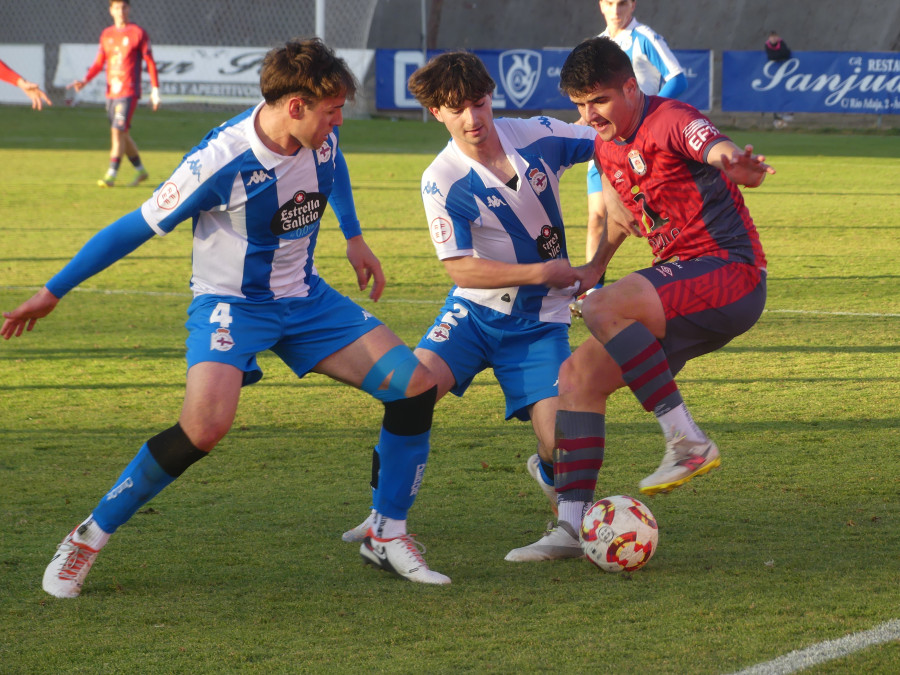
(827, 651)
(424, 302)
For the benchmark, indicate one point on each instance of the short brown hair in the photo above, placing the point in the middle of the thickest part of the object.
(451, 79)
(305, 68)
(596, 61)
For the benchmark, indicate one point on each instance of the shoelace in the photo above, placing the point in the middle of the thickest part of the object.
(415, 548)
(75, 561)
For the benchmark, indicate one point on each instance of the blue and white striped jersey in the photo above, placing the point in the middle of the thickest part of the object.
(472, 213)
(650, 55)
(256, 214)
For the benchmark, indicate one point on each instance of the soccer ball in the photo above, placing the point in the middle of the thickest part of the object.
(619, 534)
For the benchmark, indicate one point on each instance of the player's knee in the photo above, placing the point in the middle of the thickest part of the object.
(410, 416)
(205, 434)
(174, 451)
(587, 375)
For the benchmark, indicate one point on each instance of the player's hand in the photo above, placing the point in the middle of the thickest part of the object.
(559, 273)
(588, 276)
(26, 315)
(35, 93)
(745, 168)
(366, 265)
(77, 85)
(154, 98)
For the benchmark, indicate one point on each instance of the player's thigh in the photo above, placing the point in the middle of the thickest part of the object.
(210, 402)
(439, 369)
(354, 363)
(609, 310)
(461, 338)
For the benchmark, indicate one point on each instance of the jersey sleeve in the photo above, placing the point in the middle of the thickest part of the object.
(657, 51)
(342, 198)
(147, 55)
(690, 132)
(189, 190)
(110, 244)
(451, 213)
(97, 65)
(7, 74)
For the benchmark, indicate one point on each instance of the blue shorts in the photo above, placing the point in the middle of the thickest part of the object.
(594, 184)
(120, 111)
(707, 302)
(301, 331)
(524, 354)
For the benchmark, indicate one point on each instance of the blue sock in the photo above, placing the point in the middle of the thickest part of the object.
(403, 460)
(546, 469)
(141, 481)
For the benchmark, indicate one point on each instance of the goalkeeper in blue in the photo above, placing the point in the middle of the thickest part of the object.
(491, 201)
(256, 188)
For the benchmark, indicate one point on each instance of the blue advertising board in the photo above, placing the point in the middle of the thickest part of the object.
(527, 79)
(818, 82)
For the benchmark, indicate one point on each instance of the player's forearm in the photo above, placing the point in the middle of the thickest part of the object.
(342, 199)
(470, 272)
(102, 250)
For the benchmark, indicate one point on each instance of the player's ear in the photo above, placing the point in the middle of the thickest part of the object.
(296, 107)
(436, 112)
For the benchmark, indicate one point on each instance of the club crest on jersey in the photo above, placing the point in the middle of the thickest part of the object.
(324, 152)
(538, 180)
(441, 230)
(520, 70)
(637, 163)
(300, 216)
(221, 340)
(440, 333)
(549, 242)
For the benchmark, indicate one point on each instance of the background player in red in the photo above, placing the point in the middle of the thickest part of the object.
(34, 92)
(122, 48)
(672, 178)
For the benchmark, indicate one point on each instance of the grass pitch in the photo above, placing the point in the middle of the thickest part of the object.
(239, 566)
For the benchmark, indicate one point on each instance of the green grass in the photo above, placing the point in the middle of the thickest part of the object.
(239, 566)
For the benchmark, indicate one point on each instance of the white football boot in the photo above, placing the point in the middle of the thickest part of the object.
(534, 468)
(682, 461)
(66, 572)
(401, 556)
(358, 533)
(558, 543)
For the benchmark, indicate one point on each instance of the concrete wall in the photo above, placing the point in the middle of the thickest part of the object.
(812, 25)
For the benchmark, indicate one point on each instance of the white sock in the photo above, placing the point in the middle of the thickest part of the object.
(90, 534)
(388, 528)
(573, 512)
(679, 421)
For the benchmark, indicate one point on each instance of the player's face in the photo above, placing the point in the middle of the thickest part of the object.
(470, 124)
(316, 121)
(617, 14)
(612, 112)
(119, 12)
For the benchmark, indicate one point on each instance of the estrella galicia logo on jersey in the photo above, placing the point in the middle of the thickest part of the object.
(168, 196)
(520, 70)
(221, 340)
(300, 216)
(538, 180)
(324, 152)
(549, 243)
(259, 176)
(441, 230)
(431, 189)
(637, 163)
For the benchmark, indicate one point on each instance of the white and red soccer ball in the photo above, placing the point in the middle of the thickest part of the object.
(619, 534)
